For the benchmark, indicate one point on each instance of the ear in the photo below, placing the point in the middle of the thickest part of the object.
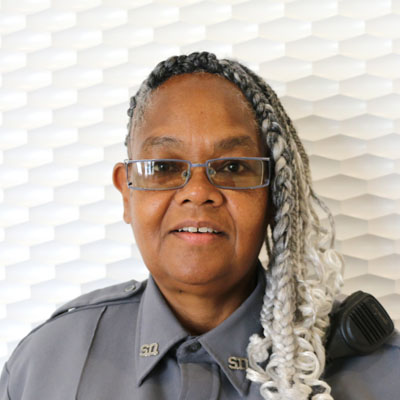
(120, 182)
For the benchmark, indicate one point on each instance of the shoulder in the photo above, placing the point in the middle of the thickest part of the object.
(73, 323)
(59, 348)
(372, 376)
(127, 291)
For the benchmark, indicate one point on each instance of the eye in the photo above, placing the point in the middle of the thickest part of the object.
(161, 166)
(233, 166)
(165, 166)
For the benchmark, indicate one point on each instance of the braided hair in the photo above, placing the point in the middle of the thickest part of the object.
(303, 274)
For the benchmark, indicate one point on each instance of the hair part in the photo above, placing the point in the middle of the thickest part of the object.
(303, 274)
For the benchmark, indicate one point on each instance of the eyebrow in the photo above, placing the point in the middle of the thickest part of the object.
(226, 144)
(161, 141)
(234, 142)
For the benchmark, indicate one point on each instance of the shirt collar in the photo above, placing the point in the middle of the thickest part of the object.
(230, 339)
(159, 330)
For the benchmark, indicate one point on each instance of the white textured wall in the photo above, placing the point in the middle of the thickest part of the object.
(68, 68)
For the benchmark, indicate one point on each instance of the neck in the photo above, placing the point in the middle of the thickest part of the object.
(200, 312)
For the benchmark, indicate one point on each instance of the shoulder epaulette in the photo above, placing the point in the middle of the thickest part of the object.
(105, 295)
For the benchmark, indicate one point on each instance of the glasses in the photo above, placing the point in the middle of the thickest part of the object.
(224, 173)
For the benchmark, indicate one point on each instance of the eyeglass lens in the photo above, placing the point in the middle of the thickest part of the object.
(168, 174)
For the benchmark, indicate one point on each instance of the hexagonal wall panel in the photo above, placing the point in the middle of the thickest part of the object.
(67, 69)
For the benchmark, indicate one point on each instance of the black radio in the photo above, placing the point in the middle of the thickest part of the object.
(358, 326)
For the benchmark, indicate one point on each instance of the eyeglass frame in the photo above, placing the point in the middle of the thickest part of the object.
(191, 165)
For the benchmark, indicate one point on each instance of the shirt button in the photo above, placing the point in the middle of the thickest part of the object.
(192, 348)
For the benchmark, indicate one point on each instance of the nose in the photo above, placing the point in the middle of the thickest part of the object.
(199, 190)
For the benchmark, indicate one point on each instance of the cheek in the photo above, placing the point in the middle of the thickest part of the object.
(147, 212)
(251, 219)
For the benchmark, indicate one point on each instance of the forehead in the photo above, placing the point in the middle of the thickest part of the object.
(196, 108)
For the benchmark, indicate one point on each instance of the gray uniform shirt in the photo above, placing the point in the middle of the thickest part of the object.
(123, 342)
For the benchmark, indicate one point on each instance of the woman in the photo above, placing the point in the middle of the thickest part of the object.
(215, 168)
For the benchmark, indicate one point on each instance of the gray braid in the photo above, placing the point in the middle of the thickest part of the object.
(304, 272)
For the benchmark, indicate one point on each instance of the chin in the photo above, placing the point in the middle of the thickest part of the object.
(196, 274)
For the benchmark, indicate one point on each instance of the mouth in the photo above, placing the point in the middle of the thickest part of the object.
(193, 229)
(198, 232)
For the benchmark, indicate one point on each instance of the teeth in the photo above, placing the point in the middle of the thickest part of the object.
(193, 229)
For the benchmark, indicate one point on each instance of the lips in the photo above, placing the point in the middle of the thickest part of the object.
(198, 227)
(193, 229)
(204, 234)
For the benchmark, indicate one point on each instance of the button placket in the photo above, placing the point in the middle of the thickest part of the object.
(199, 381)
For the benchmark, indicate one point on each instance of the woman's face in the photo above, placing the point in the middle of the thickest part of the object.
(196, 117)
